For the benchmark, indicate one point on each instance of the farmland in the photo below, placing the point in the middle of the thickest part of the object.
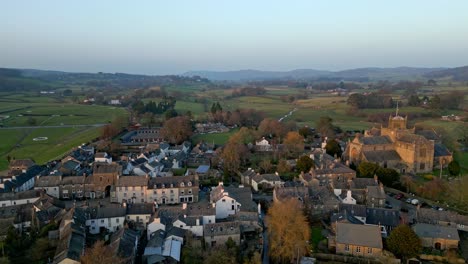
(26, 116)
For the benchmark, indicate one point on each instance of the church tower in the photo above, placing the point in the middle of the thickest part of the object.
(397, 122)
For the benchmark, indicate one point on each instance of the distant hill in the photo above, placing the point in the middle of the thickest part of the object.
(256, 75)
(310, 74)
(457, 74)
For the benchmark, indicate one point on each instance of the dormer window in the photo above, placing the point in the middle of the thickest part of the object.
(189, 183)
(182, 184)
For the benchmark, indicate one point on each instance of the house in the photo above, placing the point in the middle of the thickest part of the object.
(18, 166)
(102, 157)
(104, 176)
(375, 196)
(230, 200)
(358, 187)
(348, 199)
(164, 246)
(266, 180)
(386, 219)
(358, 240)
(115, 102)
(140, 214)
(72, 237)
(49, 184)
(436, 236)
(47, 209)
(443, 218)
(72, 187)
(22, 182)
(263, 145)
(26, 197)
(130, 189)
(173, 189)
(328, 168)
(109, 218)
(217, 234)
(124, 243)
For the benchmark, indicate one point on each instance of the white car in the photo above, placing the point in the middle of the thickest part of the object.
(415, 202)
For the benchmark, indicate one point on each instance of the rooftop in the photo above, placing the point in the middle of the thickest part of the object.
(360, 235)
(436, 231)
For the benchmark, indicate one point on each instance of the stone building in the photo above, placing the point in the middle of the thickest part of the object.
(217, 234)
(397, 147)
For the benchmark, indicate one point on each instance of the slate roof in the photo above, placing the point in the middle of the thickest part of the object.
(20, 195)
(435, 231)
(124, 241)
(377, 140)
(132, 181)
(358, 210)
(441, 150)
(428, 134)
(48, 181)
(428, 215)
(362, 183)
(24, 177)
(242, 196)
(139, 209)
(411, 138)
(359, 235)
(203, 169)
(381, 216)
(106, 168)
(381, 155)
(21, 163)
(221, 229)
(376, 192)
(266, 177)
(106, 212)
(344, 216)
(158, 182)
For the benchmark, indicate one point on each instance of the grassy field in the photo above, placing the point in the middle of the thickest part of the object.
(60, 141)
(217, 138)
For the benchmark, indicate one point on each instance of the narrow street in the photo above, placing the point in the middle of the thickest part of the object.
(266, 258)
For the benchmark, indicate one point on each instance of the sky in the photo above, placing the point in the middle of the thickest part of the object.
(172, 37)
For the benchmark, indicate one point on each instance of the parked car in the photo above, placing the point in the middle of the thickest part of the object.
(399, 196)
(415, 202)
(409, 200)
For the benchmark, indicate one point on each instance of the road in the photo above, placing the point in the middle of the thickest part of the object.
(266, 257)
(33, 127)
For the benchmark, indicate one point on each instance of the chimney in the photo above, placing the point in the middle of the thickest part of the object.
(376, 178)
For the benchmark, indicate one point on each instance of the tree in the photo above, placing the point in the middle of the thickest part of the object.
(304, 163)
(414, 100)
(177, 129)
(454, 168)
(271, 128)
(407, 181)
(283, 167)
(293, 143)
(305, 131)
(265, 165)
(99, 253)
(367, 169)
(233, 155)
(404, 243)
(333, 148)
(288, 231)
(324, 126)
(388, 177)
(435, 103)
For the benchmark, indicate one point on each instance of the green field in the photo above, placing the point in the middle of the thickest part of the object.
(217, 138)
(59, 142)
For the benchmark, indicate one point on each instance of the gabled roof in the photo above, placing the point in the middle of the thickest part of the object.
(266, 177)
(21, 163)
(139, 209)
(376, 140)
(242, 196)
(381, 155)
(410, 138)
(381, 216)
(441, 150)
(376, 192)
(436, 231)
(221, 229)
(357, 210)
(132, 181)
(359, 235)
(106, 212)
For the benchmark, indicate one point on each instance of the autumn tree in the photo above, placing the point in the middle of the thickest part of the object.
(288, 231)
(265, 165)
(433, 189)
(404, 243)
(283, 166)
(389, 177)
(304, 163)
(293, 143)
(99, 253)
(305, 131)
(272, 128)
(177, 129)
(325, 126)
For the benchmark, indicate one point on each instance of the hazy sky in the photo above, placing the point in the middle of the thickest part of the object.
(170, 36)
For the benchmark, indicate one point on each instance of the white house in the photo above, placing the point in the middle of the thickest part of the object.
(270, 180)
(348, 199)
(110, 218)
(131, 189)
(102, 157)
(27, 197)
(225, 205)
(263, 145)
(50, 184)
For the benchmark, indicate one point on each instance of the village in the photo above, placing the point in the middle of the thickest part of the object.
(157, 202)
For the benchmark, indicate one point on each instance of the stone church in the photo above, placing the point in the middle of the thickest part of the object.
(398, 147)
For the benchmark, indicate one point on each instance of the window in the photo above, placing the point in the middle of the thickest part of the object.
(232, 207)
(117, 220)
(142, 200)
(172, 191)
(369, 250)
(126, 188)
(102, 221)
(92, 221)
(358, 249)
(223, 200)
(346, 247)
(422, 166)
(125, 194)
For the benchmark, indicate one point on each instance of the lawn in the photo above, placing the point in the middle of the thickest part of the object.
(316, 236)
(217, 138)
(59, 142)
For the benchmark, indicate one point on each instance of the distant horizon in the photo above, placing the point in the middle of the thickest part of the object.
(173, 37)
(234, 70)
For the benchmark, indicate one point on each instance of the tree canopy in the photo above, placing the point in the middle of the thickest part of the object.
(367, 169)
(304, 163)
(177, 129)
(454, 168)
(333, 148)
(404, 243)
(288, 231)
